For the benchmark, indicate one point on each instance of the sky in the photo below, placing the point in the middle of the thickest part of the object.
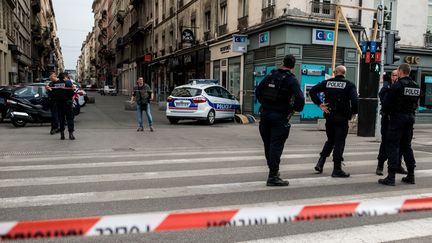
(74, 20)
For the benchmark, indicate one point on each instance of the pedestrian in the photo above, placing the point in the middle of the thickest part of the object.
(53, 106)
(280, 96)
(340, 104)
(382, 155)
(62, 93)
(401, 103)
(142, 94)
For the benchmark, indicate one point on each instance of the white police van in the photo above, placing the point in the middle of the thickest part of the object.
(201, 99)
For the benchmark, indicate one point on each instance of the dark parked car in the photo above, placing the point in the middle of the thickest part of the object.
(5, 92)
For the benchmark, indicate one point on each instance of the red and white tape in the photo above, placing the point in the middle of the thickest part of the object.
(155, 222)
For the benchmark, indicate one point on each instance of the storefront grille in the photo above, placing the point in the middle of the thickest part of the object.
(264, 53)
(322, 52)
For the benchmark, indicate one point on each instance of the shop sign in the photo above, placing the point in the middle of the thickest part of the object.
(264, 39)
(147, 58)
(322, 37)
(412, 59)
(188, 36)
(240, 43)
(225, 49)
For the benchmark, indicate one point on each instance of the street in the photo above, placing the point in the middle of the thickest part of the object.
(111, 169)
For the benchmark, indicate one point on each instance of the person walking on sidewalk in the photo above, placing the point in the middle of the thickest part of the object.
(280, 95)
(53, 106)
(142, 95)
(62, 94)
(339, 106)
(401, 103)
(382, 155)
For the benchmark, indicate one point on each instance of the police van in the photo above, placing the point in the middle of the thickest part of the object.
(201, 99)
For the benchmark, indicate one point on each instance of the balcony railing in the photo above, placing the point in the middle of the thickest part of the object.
(268, 13)
(243, 23)
(36, 6)
(428, 39)
(223, 29)
(323, 9)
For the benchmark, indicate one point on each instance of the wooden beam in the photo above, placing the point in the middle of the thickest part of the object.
(358, 7)
(335, 41)
(374, 35)
(350, 32)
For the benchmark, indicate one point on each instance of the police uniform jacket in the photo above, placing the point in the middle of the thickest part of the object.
(341, 96)
(280, 92)
(402, 97)
(62, 91)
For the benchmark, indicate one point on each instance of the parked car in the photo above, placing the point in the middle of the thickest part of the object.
(201, 99)
(5, 92)
(108, 90)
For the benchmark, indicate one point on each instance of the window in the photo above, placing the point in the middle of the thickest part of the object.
(268, 3)
(213, 91)
(243, 8)
(429, 23)
(207, 21)
(390, 10)
(223, 15)
(321, 7)
(186, 92)
(193, 23)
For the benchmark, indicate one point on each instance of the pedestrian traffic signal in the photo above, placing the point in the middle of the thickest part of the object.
(375, 68)
(390, 57)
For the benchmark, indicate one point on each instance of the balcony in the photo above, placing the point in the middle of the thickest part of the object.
(428, 39)
(268, 13)
(323, 9)
(135, 31)
(36, 31)
(207, 35)
(243, 23)
(135, 3)
(36, 6)
(120, 16)
(222, 29)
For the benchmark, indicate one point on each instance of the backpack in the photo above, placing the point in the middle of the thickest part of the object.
(275, 89)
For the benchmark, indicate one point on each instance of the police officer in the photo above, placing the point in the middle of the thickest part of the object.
(401, 103)
(339, 106)
(280, 95)
(382, 155)
(53, 106)
(62, 94)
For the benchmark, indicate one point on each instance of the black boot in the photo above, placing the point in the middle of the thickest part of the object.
(62, 136)
(401, 170)
(320, 165)
(380, 168)
(337, 170)
(389, 180)
(410, 178)
(71, 136)
(275, 180)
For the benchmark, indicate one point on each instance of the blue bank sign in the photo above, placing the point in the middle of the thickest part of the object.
(264, 39)
(322, 37)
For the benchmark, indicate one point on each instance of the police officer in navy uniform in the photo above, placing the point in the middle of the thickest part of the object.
(62, 94)
(382, 155)
(401, 103)
(53, 105)
(280, 96)
(339, 106)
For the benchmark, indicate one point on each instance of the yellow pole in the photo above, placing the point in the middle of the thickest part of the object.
(335, 42)
(350, 32)
(375, 31)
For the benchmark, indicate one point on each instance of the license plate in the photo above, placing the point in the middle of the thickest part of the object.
(182, 103)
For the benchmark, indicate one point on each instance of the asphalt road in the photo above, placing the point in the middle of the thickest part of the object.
(111, 169)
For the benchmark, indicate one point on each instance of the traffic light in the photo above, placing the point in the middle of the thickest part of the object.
(390, 57)
(375, 68)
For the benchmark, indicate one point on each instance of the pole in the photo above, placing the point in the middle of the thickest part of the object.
(335, 39)
(381, 80)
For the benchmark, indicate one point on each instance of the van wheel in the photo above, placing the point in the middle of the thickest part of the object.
(211, 117)
(19, 122)
(173, 120)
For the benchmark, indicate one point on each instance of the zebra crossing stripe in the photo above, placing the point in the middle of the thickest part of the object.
(156, 222)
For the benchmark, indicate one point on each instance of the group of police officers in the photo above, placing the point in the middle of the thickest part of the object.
(280, 96)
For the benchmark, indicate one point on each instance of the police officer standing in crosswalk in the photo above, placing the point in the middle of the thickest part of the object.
(401, 103)
(340, 104)
(280, 95)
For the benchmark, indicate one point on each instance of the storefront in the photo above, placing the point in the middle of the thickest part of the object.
(227, 67)
(312, 47)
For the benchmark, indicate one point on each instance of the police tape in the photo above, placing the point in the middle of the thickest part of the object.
(157, 222)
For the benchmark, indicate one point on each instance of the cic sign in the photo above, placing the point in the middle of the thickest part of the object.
(322, 37)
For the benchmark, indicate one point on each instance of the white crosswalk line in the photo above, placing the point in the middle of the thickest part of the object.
(154, 193)
(401, 230)
(57, 180)
(189, 152)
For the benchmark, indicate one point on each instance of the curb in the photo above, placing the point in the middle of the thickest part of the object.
(156, 222)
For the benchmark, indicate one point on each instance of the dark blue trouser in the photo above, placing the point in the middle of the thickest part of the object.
(337, 131)
(54, 116)
(65, 113)
(274, 129)
(382, 155)
(399, 136)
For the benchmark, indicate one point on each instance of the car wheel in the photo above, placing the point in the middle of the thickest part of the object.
(211, 117)
(19, 122)
(173, 120)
